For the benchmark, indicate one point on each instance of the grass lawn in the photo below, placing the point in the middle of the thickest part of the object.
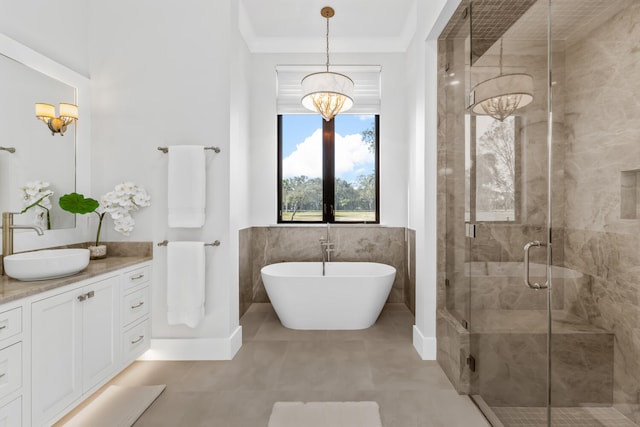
(344, 216)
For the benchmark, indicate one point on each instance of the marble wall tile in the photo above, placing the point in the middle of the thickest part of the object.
(602, 142)
(410, 279)
(245, 276)
(453, 346)
(511, 368)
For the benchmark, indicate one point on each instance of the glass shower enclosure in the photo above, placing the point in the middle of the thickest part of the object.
(539, 210)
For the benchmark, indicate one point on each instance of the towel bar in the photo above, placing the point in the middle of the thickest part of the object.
(166, 149)
(214, 243)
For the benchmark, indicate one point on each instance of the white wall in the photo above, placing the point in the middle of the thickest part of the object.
(56, 29)
(422, 61)
(393, 141)
(167, 76)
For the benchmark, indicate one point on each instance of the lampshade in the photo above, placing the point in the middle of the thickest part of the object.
(69, 110)
(45, 111)
(327, 93)
(500, 96)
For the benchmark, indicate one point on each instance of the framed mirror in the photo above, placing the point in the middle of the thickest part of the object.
(32, 153)
(41, 162)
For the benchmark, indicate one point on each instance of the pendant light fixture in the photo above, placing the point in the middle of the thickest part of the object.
(326, 92)
(499, 97)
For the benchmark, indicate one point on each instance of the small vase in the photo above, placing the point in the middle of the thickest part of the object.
(98, 252)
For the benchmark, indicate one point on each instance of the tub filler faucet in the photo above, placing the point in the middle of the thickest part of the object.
(326, 247)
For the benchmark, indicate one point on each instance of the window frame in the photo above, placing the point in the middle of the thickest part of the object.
(517, 184)
(328, 174)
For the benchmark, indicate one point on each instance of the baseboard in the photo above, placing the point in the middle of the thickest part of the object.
(195, 348)
(425, 346)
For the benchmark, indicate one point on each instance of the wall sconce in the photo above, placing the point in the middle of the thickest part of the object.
(47, 113)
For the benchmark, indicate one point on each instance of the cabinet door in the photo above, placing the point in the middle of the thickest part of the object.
(56, 354)
(100, 334)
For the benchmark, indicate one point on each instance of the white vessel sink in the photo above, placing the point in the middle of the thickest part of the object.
(46, 264)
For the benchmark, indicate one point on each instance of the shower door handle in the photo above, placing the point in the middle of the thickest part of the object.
(527, 281)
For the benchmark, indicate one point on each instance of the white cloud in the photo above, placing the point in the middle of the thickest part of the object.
(306, 159)
(352, 156)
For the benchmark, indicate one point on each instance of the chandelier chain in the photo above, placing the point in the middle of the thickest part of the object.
(327, 43)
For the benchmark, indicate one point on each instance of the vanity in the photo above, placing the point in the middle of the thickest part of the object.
(62, 339)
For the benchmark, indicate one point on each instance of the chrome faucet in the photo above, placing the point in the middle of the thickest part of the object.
(7, 236)
(326, 247)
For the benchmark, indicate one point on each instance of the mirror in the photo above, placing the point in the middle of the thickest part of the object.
(68, 157)
(33, 153)
(38, 156)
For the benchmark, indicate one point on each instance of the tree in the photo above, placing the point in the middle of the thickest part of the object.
(301, 193)
(367, 191)
(369, 137)
(495, 167)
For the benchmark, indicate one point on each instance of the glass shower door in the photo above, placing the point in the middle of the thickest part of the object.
(511, 213)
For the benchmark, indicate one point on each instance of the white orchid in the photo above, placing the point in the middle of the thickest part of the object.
(36, 195)
(125, 197)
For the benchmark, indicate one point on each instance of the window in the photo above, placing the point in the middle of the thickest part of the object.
(328, 171)
(491, 170)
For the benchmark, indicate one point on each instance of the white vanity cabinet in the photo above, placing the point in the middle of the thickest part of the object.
(136, 305)
(78, 335)
(74, 345)
(12, 374)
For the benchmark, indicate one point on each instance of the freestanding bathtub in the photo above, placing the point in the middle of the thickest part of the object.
(351, 295)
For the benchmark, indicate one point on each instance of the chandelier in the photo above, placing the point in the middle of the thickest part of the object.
(499, 97)
(326, 92)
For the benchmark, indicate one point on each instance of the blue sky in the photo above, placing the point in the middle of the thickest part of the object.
(302, 146)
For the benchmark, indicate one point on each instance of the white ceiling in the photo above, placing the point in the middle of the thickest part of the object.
(278, 26)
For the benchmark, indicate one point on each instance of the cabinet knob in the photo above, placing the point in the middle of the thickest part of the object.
(139, 276)
(82, 297)
(90, 294)
(138, 305)
(136, 341)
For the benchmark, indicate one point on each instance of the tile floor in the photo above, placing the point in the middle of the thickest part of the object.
(562, 417)
(279, 364)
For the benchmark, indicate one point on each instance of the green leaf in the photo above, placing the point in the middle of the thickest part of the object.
(77, 203)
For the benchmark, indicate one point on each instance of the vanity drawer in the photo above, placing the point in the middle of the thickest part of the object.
(11, 413)
(10, 323)
(135, 305)
(137, 277)
(10, 369)
(135, 341)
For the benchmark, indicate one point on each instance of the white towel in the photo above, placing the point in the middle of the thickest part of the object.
(186, 187)
(185, 282)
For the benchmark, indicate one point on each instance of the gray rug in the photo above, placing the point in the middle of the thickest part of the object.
(325, 414)
(117, 406)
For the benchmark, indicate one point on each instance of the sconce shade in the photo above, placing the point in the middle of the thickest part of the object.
(47, 113)
(327, 93)
(500, 96)
(69, 110)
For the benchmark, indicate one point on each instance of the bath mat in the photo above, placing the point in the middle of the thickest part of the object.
(117, 406)
(325, 414)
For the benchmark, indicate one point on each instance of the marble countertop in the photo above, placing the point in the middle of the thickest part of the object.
(12, 289)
